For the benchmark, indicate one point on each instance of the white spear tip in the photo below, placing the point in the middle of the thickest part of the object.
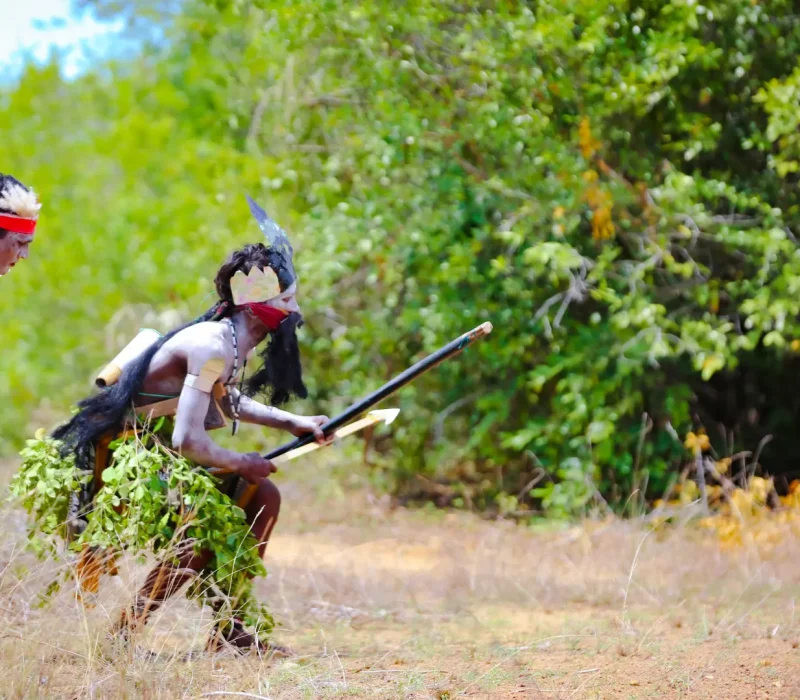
(387, 415)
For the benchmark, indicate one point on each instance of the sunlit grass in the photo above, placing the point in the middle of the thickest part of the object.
(389, 603)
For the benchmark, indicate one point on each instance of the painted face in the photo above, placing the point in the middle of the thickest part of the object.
(13, 247)
(273, 312)
(287, 300)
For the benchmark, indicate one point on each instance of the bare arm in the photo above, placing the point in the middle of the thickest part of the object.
(190, 436)
(251, 411)
(191, 439)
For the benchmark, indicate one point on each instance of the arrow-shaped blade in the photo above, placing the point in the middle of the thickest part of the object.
(385, 415)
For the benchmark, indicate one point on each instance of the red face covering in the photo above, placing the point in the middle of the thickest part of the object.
(268, 315)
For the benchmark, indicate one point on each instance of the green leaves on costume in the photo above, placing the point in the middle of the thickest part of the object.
(151, 501)
(45, 485)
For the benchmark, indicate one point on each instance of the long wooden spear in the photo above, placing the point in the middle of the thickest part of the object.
(453, 348)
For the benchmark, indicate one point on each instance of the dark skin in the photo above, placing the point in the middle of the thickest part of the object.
(187, 353)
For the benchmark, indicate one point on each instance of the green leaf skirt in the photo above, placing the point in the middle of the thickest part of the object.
(151, 501)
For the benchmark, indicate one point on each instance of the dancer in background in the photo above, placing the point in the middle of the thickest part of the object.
(19, 212)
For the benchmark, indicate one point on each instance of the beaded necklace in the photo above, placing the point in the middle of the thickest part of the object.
(232, 379)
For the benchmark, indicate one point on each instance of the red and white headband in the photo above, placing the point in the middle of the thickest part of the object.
(25, 206)
(18, 224)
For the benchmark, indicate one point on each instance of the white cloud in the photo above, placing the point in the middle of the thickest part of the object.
(32, 29)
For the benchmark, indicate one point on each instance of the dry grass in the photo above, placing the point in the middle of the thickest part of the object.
(398, 604)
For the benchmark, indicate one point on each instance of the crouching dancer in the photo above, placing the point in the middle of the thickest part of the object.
(133, 449)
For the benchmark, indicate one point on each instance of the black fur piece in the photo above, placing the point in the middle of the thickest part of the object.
(281, 374)
(104, 412)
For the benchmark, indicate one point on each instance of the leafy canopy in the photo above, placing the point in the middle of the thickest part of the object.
(612, 184)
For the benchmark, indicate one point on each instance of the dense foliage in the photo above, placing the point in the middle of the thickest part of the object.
(612, 184)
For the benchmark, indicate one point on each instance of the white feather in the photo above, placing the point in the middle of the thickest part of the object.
(20, 201)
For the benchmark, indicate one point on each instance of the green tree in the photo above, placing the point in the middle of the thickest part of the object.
(611, 184)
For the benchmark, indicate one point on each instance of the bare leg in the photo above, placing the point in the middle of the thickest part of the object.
(167, 579)
(161, 583)
(262, 514)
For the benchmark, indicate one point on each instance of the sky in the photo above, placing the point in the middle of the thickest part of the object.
(32, 28)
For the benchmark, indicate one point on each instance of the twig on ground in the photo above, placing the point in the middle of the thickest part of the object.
(218, 693)
(521, 649)
(540, 474)
(625, 619)
(341, 668)
(397, 670)
(750, 610)
(761, 445)
(701, 478)
(392, 651)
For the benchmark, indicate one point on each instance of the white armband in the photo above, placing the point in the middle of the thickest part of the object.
(208, 376)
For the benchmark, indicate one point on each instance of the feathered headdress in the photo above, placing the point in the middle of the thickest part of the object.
(19, 208)
(262, 285)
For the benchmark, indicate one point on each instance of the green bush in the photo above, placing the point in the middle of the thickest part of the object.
(613, 185)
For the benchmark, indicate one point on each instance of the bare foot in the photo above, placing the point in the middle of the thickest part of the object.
(236, 637)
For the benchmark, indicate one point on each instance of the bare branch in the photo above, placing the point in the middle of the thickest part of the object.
(547, 304)
(438, 429)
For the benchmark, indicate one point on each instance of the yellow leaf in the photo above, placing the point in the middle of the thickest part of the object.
(585, 140)
(742, 502)
(759, 489)
(712, 364)
(689, 492)
(699, 441)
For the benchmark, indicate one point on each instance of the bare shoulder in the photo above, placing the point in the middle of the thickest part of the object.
(203, 342)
